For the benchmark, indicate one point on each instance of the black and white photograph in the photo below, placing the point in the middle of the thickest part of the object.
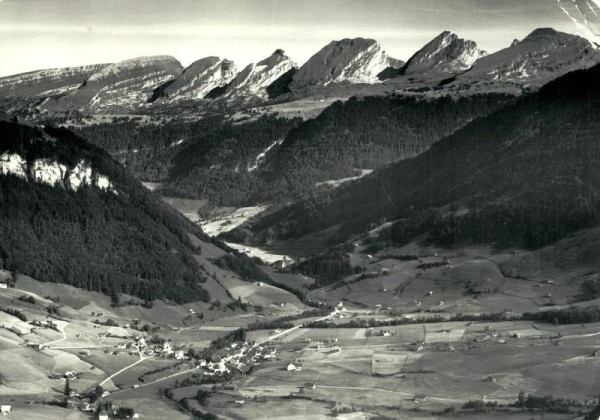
(300, 210)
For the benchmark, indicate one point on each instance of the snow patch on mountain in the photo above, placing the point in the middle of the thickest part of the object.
(50, 172)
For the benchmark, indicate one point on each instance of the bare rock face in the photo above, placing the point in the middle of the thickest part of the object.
(446, 54)
(252, 82)
(355, 60)
(543, 55)
(121, 87)
(199, 78)
(52, 173)
(25, 88)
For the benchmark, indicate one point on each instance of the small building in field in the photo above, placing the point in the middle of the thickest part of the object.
(3, 285)
(5, 410)
(310, 385)
(292, 367)
(179, 355)
(37, 346)
(420, 398)
(240, 402)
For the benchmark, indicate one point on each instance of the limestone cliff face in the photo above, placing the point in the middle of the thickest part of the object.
(355, 60)
(446, 53)
(200, 78)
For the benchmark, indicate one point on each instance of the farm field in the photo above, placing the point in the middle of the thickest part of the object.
(391, 345)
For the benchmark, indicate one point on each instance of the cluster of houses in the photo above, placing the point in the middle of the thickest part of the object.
(240, 357)
(163, 350)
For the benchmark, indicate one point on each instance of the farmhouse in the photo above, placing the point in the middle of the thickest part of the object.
(420, 398)
(179, 355)
(3, 285)
(5, 410)
(310, 385)
(167, 349)
(37, 346)
(294, 368)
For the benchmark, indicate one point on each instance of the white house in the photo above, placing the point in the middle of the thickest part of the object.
(167, 347)
(5, 410)
(179, 355)
(292, 367)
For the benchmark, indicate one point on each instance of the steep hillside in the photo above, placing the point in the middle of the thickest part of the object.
(525, 175)
(222, 163)
(277, 159)
(366, 133)
(355, 60)
(70, 214)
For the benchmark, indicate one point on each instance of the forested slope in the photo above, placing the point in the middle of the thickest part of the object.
(122, 240)
(527, 174)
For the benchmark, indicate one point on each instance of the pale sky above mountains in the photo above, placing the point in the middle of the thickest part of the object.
(40, 34)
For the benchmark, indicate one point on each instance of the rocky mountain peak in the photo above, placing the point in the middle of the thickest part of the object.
(253, 80)
(199, 78)
(357, 60)
(542, 55)
(446, 53)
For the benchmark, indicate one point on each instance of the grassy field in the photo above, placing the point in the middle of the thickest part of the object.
(364, 371)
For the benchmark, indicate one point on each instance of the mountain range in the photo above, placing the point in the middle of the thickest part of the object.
(407, 134)
(447, 64)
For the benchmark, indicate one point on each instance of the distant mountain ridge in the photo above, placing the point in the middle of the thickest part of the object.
(447, 64)
(120, 87)
(542, 55)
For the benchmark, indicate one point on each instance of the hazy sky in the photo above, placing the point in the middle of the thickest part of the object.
(37, 34)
